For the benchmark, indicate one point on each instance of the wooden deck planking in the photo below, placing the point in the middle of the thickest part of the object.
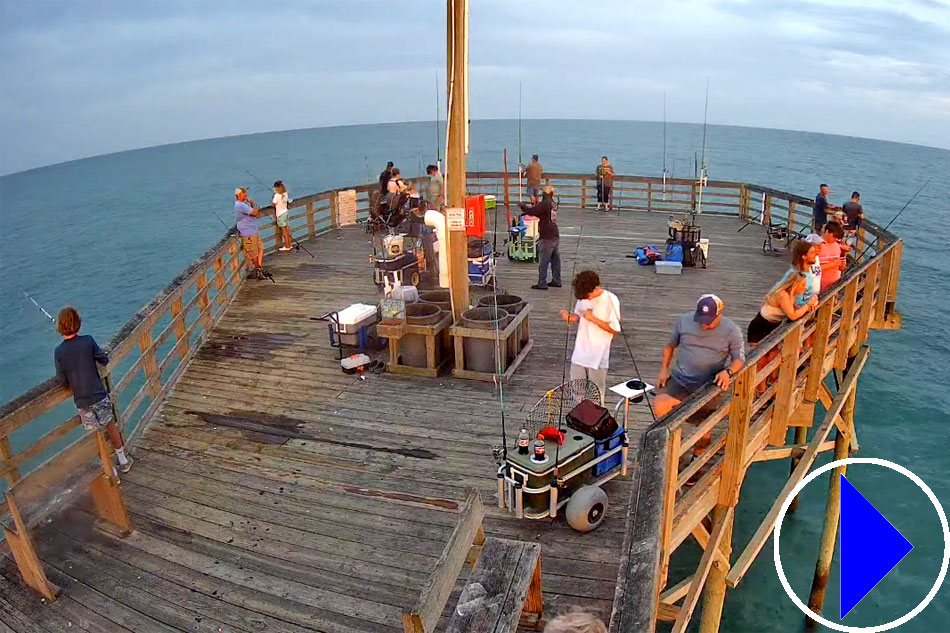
(273, 492)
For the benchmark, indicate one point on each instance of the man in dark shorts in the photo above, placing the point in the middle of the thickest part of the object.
(77, 359)
(707, 347)
(821, 209)
(854, 213)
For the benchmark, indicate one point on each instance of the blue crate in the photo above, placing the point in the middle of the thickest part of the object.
(604, 446)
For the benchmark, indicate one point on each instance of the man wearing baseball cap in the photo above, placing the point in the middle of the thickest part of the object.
(245, 215)
(707, 346)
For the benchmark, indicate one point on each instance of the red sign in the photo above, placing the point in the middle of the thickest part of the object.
(475, 216)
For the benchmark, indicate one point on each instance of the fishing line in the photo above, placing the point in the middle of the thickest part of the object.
(42, 309)
(888, 225)
(567, 341)
(262, 184)
(233, 232)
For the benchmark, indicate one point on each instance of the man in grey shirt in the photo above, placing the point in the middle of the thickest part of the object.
(707, 346)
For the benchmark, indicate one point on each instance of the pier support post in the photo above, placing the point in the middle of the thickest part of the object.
(801, 436)
(826, 550)
(714, 593)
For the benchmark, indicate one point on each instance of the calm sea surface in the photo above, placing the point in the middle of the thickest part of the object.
(105, 234)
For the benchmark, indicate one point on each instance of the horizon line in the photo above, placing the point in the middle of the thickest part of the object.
(345, 125)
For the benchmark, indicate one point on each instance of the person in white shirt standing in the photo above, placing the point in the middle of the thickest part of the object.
(597, 313)
(280, 210)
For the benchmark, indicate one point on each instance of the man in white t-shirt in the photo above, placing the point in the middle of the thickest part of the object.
(597, 314)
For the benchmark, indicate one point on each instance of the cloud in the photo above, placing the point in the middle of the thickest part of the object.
(79, 79)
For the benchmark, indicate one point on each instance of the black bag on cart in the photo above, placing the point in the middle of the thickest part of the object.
(593, 419)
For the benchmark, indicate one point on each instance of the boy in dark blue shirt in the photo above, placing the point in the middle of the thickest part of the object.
(76, 367)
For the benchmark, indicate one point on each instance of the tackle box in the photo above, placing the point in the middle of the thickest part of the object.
(605, 446)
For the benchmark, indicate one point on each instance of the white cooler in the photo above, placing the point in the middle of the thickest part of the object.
(352, 318)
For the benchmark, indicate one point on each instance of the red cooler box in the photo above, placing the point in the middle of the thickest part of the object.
(475, 216)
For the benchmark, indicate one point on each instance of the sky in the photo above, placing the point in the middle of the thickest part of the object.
(85, 78)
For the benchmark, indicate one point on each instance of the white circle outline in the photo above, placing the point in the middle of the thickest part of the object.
(943, 567)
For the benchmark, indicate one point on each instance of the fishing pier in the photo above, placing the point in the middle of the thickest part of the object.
(271, 492)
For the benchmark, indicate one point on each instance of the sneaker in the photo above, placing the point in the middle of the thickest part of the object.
(285, 248)
(554, 284)
(537, 287)
(127, 466)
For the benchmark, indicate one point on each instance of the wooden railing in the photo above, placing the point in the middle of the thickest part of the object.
(151, 351)
(783, 378)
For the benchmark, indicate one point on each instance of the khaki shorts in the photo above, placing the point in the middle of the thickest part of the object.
(252, 245)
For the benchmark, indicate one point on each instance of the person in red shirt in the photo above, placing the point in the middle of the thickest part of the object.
(830, 255)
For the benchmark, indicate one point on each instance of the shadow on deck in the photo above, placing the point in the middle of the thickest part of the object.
(273, 493)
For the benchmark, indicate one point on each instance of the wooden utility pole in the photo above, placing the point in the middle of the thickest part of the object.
(457, 96)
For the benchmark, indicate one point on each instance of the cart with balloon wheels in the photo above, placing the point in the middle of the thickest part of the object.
(567, 475)
(398, 258)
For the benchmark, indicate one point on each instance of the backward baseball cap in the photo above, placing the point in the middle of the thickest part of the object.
(707, 309)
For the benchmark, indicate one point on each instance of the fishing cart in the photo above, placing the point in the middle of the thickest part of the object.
(398, 258)
(686, 243)
(523, 240)
(566, 468)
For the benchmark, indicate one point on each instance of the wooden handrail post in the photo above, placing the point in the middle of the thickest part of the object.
(152, 376)
(334, 210)
(649, 197)
(669, 505)
(819, 349)
(767, 210)
(791, 216)
(743, 197)
(867, 306)
(219, 281)
(880, 303)
(740, 412)
(787, 374)
(846, 326)
(181, 328)
(201, 287)
(6, 453)
(898, 251)
(311, 223)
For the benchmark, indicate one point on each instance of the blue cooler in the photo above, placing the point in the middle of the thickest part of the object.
(605, 446)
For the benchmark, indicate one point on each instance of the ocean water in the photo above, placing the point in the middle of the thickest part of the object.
(106, 233)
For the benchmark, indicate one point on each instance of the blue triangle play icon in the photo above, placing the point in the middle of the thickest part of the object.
(870, 547)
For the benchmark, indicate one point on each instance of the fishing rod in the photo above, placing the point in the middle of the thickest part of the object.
(438, 137)
(520, 164)
(664, 147)
(43, 310)
(703, 167)
(888, 225)
(232, 231)
(297, 244)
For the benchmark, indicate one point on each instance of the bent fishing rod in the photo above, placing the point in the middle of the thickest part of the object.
(888, 225)
(232, 231)
(297, 244)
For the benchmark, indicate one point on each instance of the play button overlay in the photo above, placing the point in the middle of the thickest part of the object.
(870, 547)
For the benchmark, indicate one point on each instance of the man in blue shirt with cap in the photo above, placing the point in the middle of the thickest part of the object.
(707, 346)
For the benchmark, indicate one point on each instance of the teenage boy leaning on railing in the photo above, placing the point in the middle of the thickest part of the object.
(77, 359)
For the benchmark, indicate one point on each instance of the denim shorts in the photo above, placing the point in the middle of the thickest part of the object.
(96, 416)
(534, 191)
